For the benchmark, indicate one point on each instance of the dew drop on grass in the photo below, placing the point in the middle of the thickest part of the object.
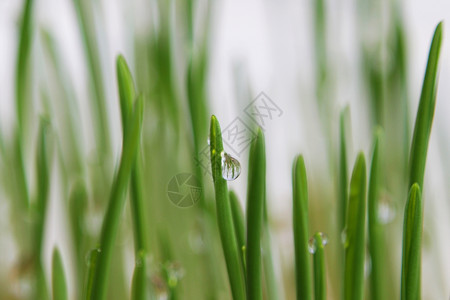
(312, 244)
(92, 256)
(231, 167)
(386, 210)
(344, 238)
(209, 140)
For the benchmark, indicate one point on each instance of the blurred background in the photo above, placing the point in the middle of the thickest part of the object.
(310, 59)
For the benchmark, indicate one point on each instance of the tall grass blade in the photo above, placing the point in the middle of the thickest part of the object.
(425, 112)
(84, 10)
(412, 237)
(303, 280)
(376, 242)
(255, 203)
(59, 285)
(224, 215)
(127, 97)
(343, 173)
(320, 280)
(354, 243)
(270, 278)
(116, 202)
(239, 223)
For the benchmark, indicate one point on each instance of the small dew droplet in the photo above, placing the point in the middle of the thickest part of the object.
(91, 257)
(344, 238)
(231, 167)
(386, 211)
(312, 244)
(209, 140)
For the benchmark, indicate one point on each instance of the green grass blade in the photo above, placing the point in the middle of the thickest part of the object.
(59, 285)
(116, 202)
(355, 233)
(127, 96)
(92, 259)
(139, 284)
(43, 182)
(127, 92)
(22, 84)
(320, 280)
(224, 215)
(239, 225)
(412, 237)
(85, 16)
(255, 203)
(343, 173)
(376, 242)
(300, 220)
(425, 112)
(270, 278)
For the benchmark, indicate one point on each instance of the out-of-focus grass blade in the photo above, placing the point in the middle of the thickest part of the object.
(139, 284)
(43, 181)
(59, 284)
(425, 112)
(23, 66)
(127, 95)
(376, 242)
(411, 255)
(343, 174)
(238, 220)
(320, 282)
(84, 9)
(127, 92)
(22, 90)
(354, 243)
(224, 215)
(116, 202)
(255, 203)
(300, 220)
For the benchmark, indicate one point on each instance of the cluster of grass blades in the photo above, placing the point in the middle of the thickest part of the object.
(243, 254)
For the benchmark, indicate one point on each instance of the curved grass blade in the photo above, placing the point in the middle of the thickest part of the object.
(376, 242)
(411, 255)
(238, 220)
(320, 282)
(116, 202)
(255, 203)
(425, 112)
(127, 96)
(300, 220)
(355, 233)
(59, 285)
(224, 215)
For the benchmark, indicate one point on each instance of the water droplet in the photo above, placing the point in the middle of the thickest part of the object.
(312, 244)
(196, 241)
(159, 287)
(209, 140)
(344, 240)
(91, 257)
(367, 266)
(386, 210)
(231, 167)
(174, 273)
